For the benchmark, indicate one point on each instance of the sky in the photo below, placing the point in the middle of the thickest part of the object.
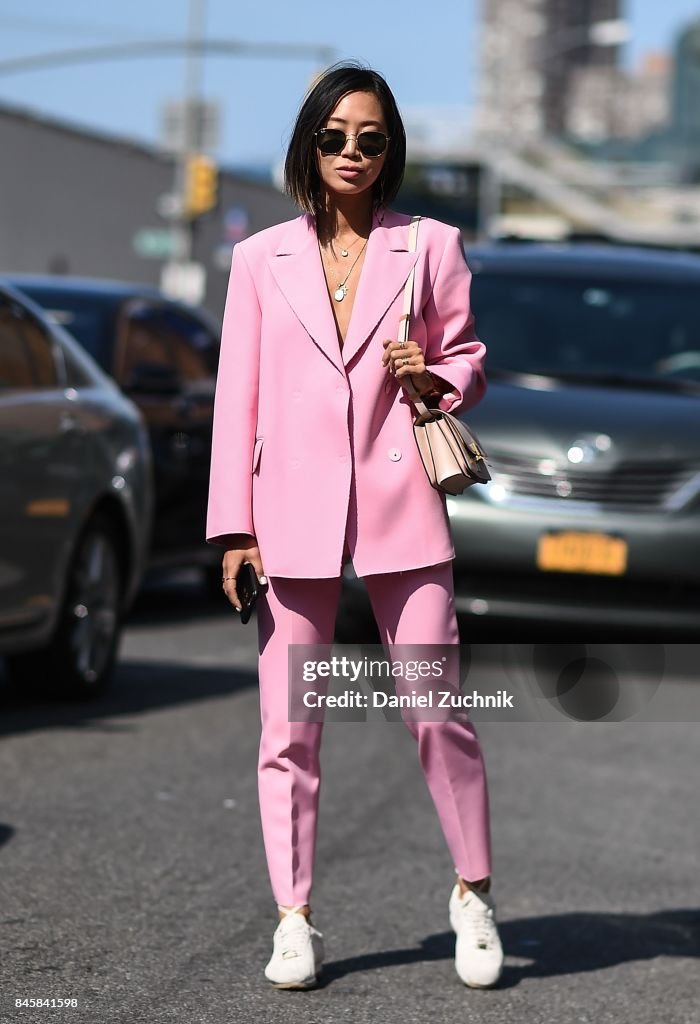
(425, 50)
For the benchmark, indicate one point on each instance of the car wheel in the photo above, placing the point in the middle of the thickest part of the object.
(79, 659)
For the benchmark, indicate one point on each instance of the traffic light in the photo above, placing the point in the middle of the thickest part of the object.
(201, 186)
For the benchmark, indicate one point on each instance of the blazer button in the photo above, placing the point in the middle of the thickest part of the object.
(394, 454)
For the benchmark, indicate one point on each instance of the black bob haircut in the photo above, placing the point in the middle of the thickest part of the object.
(302, 181)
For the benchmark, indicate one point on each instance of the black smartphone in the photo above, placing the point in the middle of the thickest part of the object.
(248, 590)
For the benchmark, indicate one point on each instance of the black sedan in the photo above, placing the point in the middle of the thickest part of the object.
(164, 356)
(76, 492)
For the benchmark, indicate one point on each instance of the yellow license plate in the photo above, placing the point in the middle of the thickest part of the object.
(569, 551)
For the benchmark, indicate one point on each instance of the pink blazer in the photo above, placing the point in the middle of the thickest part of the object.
(294, 414)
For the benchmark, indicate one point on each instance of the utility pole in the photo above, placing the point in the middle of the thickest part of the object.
(191, 135)
(181, 276)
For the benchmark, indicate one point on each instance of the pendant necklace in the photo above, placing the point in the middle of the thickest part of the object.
(346, 252)
(341, 291)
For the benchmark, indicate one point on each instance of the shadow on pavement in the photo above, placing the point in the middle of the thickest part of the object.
(137, 687)
(6, 833)
(563, 944)
(171, 597)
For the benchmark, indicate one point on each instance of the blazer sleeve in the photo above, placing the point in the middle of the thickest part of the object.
(235, 408)
(453, 349)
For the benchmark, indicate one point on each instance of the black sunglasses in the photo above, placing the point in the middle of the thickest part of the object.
(331, 141)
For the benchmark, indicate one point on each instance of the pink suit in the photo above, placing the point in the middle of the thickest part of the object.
(313, 453)
(299, 423)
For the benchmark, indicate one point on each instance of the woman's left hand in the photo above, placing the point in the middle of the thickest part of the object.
(403, 360)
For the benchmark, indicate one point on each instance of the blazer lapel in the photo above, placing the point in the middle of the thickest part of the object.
(385, 269)
(297, 268)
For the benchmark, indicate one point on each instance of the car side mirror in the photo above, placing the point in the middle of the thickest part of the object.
(152, 379)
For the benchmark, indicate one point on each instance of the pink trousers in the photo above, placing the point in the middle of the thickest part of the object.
(412, 607)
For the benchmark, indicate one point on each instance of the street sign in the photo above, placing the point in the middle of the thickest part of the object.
(236, 224)
(154, 243)
(184, 281)
(169, 205)
(196, 121)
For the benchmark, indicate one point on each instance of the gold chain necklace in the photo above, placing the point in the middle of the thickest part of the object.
(346, 252)
(341, 291)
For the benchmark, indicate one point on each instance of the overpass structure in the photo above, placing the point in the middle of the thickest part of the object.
(641, 204)
(629, 212)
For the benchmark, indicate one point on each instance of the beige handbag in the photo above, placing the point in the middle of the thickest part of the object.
(452, 454)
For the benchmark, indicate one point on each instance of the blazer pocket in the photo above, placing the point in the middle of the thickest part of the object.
(257, 448)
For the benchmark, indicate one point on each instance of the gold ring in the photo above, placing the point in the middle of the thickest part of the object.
(406, 360)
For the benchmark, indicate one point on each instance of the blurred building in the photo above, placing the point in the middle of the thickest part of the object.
(616, 103)
(81, 202)
(685, 98)
(530, 54)
(670, 91)
(510, 85)
(568, 49)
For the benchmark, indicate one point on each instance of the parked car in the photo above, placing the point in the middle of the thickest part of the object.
(76, 493)
(164, 356)
(591, 423)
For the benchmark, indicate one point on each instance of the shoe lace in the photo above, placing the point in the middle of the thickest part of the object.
(481, 924)
(292, 935)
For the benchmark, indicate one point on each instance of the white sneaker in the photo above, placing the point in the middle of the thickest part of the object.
(478, 952)
(297, 956)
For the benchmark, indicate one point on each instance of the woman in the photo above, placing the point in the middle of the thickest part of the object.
(314, 462)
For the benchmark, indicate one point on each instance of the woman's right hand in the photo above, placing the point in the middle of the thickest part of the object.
(243, 547)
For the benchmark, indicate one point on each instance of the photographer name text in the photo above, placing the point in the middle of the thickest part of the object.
(379, 699)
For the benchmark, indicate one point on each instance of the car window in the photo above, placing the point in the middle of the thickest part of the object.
(556, 324)
(144, 348)
(89, 319)
(196, 348)
(26, 351)
(158, 338)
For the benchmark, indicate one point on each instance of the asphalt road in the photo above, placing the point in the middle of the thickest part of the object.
(133, 876)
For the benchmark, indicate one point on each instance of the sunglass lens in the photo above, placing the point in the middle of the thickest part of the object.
(330, 141)
(371, 143)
